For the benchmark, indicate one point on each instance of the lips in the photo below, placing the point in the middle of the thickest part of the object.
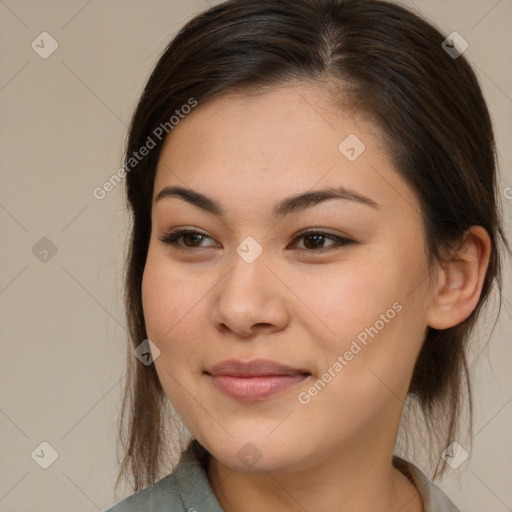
(254, 380)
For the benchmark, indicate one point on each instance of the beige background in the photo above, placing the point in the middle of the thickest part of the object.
(64, 123)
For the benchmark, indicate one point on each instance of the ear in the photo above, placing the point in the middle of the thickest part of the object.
(460, 280)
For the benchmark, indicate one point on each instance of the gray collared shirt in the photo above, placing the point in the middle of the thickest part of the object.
(187, 489)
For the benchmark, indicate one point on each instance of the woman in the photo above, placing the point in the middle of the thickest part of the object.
(315, 230)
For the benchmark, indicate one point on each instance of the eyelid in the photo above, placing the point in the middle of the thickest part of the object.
(321, 231)
(177, 233)
(340, 240)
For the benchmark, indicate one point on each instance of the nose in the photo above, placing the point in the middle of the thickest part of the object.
(250, 299)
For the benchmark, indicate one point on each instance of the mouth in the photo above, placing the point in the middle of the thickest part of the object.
(255, 380)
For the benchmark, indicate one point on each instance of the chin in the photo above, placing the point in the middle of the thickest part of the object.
(255, 454)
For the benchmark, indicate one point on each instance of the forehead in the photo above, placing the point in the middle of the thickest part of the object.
(249, 147)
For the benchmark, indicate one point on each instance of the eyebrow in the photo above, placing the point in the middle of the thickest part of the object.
(284, 207)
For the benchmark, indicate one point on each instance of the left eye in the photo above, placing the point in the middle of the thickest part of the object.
(313, 240)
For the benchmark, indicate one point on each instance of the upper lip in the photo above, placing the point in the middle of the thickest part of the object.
(255, 367)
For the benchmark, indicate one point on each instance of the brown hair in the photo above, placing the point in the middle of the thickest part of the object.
(429, 107)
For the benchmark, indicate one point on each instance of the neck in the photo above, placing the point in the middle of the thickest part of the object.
(358, 478)
(330, 487)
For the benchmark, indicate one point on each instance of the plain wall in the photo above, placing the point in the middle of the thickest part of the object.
(63, 127)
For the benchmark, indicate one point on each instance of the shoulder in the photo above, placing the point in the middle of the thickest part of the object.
(185, 489)
(434, 499)
(163, 496)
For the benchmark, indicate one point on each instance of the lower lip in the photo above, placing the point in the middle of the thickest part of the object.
(255, 388)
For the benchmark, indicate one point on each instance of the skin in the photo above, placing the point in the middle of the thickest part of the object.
(204, 303)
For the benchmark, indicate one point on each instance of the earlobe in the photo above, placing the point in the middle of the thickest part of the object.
(461, 280)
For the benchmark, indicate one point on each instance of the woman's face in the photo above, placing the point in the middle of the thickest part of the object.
(343, 308)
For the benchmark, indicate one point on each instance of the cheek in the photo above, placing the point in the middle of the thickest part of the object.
(344, 301)
(168, 297)
(176, 312)
(158, 300)
(167, 308)
(366, 313)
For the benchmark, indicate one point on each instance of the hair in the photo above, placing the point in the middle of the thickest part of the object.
(386, 62)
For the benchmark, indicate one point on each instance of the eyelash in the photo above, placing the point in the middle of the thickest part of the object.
(173, 237)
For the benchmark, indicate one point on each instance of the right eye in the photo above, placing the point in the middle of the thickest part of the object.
(191, 239)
